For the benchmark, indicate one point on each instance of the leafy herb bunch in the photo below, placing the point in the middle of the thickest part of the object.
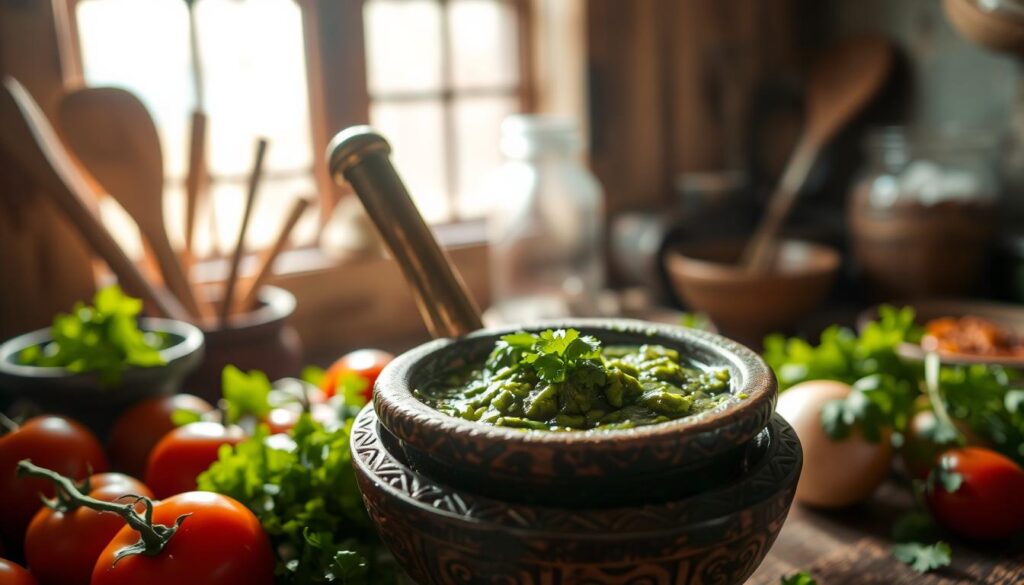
(889, 389)
(103, 338)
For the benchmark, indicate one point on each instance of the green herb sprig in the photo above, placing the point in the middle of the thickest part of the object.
(307, 500)
(103, 338)
(554, 355)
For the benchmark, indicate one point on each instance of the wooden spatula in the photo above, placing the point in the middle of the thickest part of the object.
(28, 138)
(110, 131)
(842, 83)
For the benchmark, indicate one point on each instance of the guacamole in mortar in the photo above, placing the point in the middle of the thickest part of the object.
(563, 381)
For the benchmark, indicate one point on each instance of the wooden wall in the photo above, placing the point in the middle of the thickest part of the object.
(673, 88)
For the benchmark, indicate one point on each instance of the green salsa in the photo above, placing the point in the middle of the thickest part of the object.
(562, 381)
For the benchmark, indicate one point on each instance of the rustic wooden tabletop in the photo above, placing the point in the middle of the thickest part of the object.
(852, 546)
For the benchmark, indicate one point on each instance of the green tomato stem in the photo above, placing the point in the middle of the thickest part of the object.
(152, 537)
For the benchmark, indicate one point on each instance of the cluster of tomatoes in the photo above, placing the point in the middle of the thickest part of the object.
(212, 538)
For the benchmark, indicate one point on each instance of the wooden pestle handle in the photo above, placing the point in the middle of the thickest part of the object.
(360, 156)
(27, 136)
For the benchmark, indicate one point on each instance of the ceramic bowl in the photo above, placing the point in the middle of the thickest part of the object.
(642, 464)
(82, 396)
(442, 535)
(749, 305)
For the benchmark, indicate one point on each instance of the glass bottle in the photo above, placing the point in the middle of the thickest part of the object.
(546, 225)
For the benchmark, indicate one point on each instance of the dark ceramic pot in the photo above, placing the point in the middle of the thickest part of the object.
(261, 340)
(445, 536)
(82, 396)
(644, 464)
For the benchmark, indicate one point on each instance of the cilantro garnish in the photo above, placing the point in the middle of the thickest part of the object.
(103, 338)
(923, 557)
(554, 355)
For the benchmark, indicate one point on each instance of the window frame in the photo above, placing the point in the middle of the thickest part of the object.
(335, 40)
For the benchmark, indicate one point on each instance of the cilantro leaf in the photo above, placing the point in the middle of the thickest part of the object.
(923, 558)
(313, 375)
(104, 338)
(801, 578)
(245, 394)
(182, 417)
(944, 475)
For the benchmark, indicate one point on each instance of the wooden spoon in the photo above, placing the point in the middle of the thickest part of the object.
(28, 138)
(842, 83)
(228, 302)
(112, 134)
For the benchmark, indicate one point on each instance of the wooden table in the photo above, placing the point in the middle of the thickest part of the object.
(851, 546)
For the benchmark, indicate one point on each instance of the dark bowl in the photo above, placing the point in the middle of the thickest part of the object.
(81, 395)
(260, 339)
(579, 468)
(443, 535)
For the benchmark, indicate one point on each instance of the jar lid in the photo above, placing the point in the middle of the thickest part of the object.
(525, 135)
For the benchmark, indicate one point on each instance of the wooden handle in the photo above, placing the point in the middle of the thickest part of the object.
(360, 156)
(28, 137)
(250, 294)
(195, 177)
(759, 254)
(236, 258)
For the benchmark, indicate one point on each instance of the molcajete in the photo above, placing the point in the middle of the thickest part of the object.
(446, 536)
(578, 468)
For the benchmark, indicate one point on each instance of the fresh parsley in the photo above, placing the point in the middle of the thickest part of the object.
(923, 557)
(103, 338)
(307, 500)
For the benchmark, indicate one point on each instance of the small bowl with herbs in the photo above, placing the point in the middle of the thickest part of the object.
(97, 360)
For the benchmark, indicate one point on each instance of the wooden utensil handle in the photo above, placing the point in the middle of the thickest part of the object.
(360, 156)
(236, 258)
(29, 138)
(759, 254)
(249, 297)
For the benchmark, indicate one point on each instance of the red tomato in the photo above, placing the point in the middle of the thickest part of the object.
(184, 453)
(61, 548)
(220, 543)
(142, 426)
(53, 442)
(13, 574)
(365, 363)
(988, 504)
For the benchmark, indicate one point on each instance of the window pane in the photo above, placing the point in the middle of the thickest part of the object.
(478, 131)
(255, 77)
(403, 45)
(416, 133)
(272, 204)
(484, 43)
(142, 45)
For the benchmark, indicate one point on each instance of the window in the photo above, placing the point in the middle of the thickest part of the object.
(441, 76)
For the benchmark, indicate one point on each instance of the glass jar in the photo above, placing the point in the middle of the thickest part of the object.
(546, 224)
(922, 217)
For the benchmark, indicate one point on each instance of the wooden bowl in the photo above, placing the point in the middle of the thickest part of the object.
(580, 467)
(442, 535)
(750, 305)
(81, 395)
